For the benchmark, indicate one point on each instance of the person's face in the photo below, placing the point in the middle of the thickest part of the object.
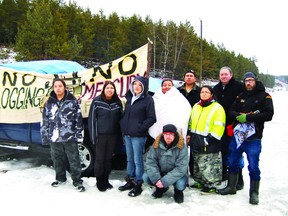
(137, 87)
(250, 83)
(167, 85)
(169, 137)
(205, 94)
(109, 91)
(59, 88)
(189, 78)
(225, 76)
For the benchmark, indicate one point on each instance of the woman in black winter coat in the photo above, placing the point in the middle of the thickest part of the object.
(104, 129)
(139, 116)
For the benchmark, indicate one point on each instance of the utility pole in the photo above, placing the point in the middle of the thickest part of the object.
(200, 81)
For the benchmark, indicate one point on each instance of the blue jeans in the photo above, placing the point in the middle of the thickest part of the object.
(252, 148)
(225, 140)
(180, 184)
(135, 147)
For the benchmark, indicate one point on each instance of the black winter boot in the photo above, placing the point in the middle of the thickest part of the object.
(254, 192)
(106, 182)
(128, 185)
(224, 173)
(240, 183)
(101, 184)
(158, 193)
(137, 189)
(231, 187)
(178, 196)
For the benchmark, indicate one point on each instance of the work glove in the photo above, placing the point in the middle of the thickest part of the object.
(241, 118)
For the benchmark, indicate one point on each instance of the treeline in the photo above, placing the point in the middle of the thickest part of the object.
(52, 29)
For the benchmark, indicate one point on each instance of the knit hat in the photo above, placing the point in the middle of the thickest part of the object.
(169, 128)
(250, 74)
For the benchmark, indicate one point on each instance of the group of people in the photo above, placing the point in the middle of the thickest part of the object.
(197, 131)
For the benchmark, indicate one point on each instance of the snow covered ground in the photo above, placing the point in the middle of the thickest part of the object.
(25, 189)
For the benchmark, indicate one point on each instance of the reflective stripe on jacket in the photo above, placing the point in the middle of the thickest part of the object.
(203, 121)
(210, 119)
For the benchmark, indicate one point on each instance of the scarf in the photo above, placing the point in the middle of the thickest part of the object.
(205, 103)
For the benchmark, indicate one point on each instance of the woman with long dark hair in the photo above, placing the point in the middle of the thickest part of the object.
(104, 129)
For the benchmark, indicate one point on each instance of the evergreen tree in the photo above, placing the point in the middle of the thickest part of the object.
(43, 35)
(52, 29)
(10, 15)
(79, 29)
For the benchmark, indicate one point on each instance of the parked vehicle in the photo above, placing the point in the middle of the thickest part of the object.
(18, 88)
(27, 137)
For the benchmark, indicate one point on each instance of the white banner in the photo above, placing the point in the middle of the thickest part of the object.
(23, 93)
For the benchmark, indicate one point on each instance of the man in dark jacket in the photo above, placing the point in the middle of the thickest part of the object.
(226, 92)
(251, 110)
(189, 89)
(62, 129)
(191, 92)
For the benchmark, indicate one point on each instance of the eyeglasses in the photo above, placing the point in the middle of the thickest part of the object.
(249, 80)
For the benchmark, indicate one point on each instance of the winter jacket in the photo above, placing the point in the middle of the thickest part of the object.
(139, 116)
(193, 96)
(62, 120)
(227, 95)
(250, 102)
(167, 165)
(207, 122)
(104, 118)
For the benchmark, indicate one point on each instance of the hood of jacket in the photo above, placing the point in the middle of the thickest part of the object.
(144, 82)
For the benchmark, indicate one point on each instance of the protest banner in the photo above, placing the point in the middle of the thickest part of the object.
(23, 93)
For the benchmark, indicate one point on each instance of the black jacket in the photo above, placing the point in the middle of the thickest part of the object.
(104, 118)
(193, 96)
(139, 116)
(62, 120)
(251, 101)
(227, 95)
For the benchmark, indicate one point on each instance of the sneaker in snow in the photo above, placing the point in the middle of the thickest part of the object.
(80, 188)
(57, 183)
(207, 190)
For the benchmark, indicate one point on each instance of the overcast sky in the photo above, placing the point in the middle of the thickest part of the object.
(256, 29)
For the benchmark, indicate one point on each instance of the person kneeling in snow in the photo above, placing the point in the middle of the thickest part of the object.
(167, 163)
